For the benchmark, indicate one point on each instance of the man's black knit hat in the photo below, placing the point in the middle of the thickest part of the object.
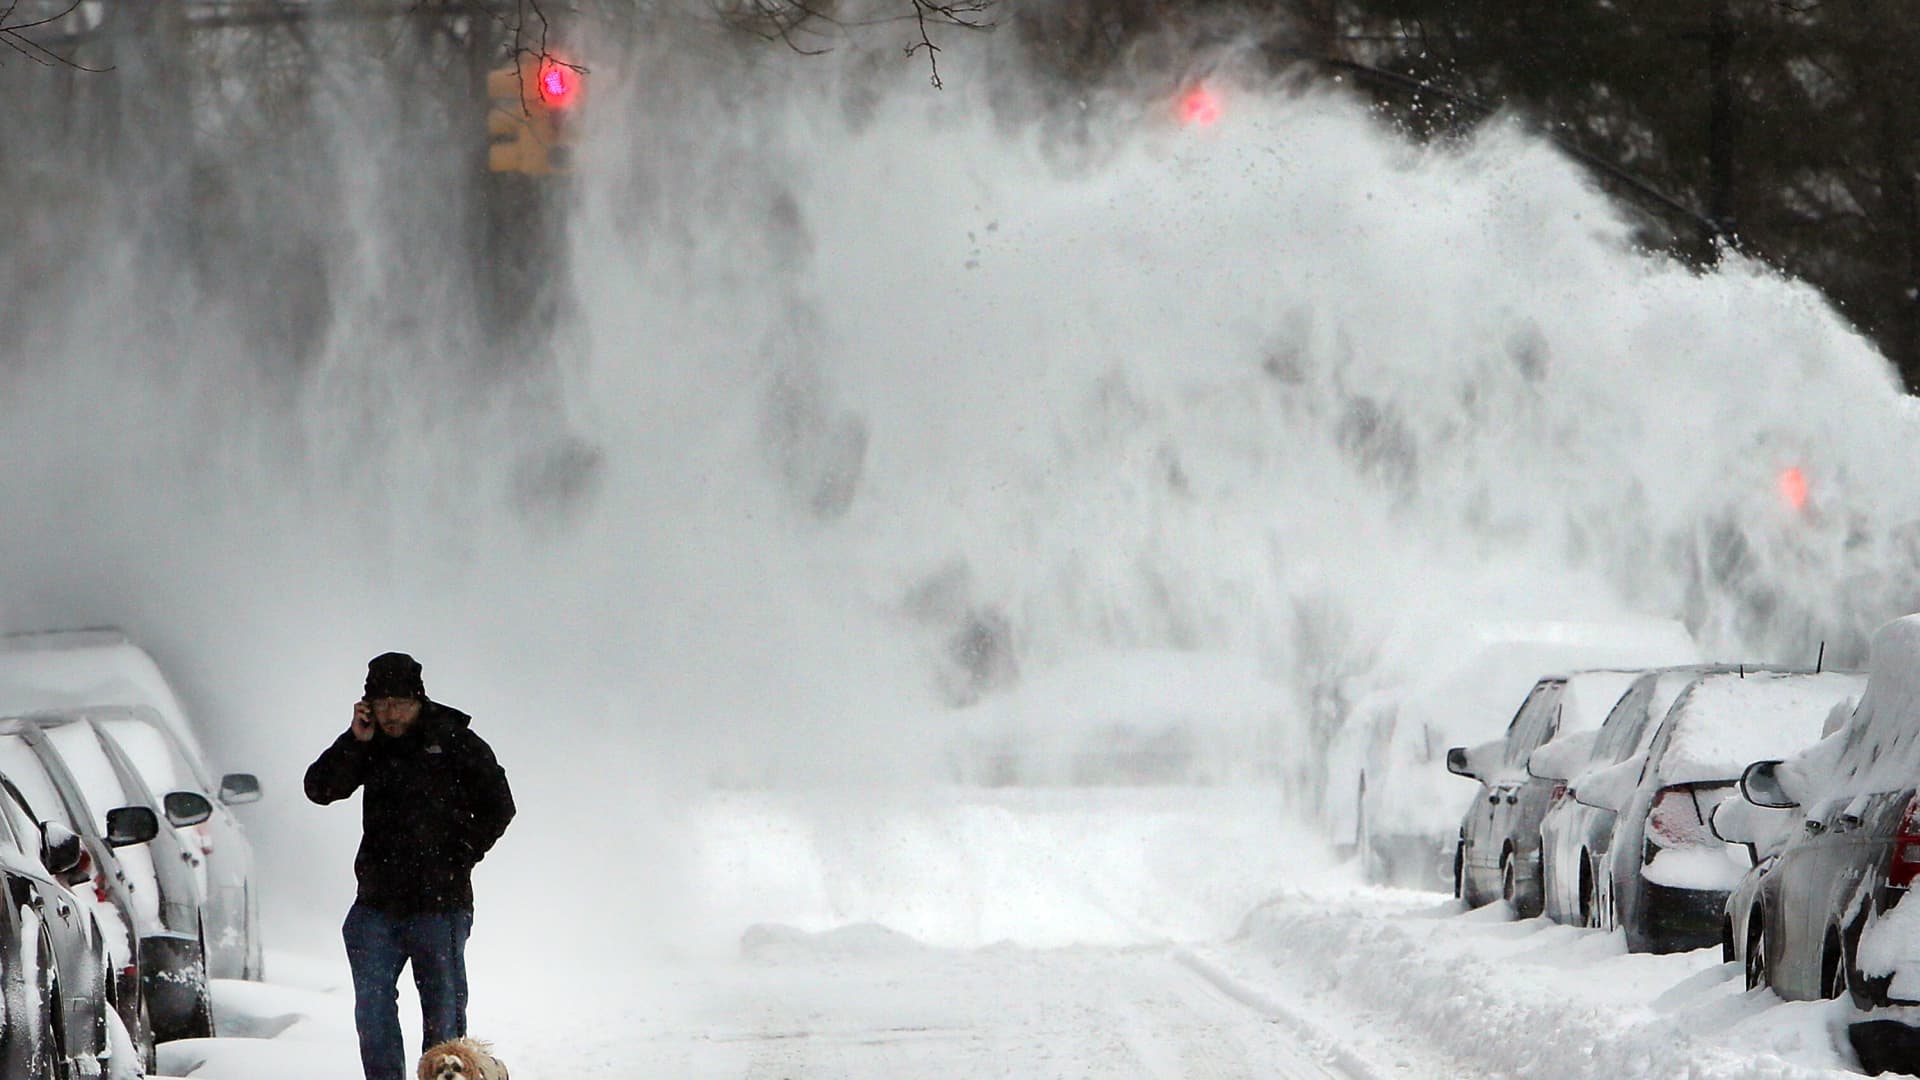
(394, 675)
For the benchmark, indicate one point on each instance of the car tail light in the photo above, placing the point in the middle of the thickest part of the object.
(1679, 815)
(1904, 865)
(1559, 792)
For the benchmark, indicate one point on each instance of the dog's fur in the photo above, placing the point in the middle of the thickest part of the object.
(461, 1059)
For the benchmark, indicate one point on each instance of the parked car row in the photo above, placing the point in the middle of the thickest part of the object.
(127, 876)
(1443, 683)
(1772, 813)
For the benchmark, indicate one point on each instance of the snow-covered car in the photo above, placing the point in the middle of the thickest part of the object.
(1832, 917)
(1388, 787)
(29, 796)
(56, 980)
(64, 669)
(1132, 718)
(1764, 831)
(1575, 837)
(1667, 875)
(1498, 855)
(166, 910)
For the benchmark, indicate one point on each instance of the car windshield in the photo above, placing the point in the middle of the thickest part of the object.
(21, 765)
(17, 827)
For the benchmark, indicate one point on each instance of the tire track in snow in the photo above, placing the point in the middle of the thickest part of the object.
(1335, 1059)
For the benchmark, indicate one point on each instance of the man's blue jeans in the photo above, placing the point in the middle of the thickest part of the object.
(378, 946)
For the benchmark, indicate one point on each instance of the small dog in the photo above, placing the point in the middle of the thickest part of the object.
(461, 1059)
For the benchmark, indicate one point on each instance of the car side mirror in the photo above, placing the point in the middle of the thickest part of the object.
(60, 849)
(237, 788)
(186, 808)
(1560, 759)
(1459, 765)
(129, 825)
(1761, 786)
(1610, 788)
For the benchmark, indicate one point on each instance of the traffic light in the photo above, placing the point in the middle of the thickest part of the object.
(532, 112)
(1199, 106)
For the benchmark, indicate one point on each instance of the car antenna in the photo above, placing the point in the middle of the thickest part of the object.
(1821, 660)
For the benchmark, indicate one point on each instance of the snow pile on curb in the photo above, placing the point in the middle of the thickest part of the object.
(1535, 999)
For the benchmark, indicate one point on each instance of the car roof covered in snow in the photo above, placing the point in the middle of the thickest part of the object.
(66, 669)
(1473, 702)
(1727, 720)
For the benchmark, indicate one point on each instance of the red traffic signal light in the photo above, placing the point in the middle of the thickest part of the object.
(1200, 106)
(1793, 487)
(532, 112)
(558, 83)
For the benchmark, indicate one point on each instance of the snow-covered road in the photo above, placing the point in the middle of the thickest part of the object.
(864, 1003)
(861, 1002)
(1034, 934)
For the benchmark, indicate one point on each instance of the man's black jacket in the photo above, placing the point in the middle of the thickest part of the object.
(436, 801)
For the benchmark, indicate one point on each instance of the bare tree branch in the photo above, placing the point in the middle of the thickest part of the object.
(966, 14)
(14, 36)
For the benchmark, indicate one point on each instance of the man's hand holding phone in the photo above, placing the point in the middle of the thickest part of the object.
(362, 721)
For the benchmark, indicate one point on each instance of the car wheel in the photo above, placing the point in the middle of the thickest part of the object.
(1834, 978)
(203, 1004)
(1586, 890)
(1756, 952)
(1509, 879)
(1460, 871)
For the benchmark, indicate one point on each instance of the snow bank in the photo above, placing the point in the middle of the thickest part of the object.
(776, 943)
(1535, 999)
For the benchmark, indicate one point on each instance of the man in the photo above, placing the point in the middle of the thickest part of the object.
(436, 800)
